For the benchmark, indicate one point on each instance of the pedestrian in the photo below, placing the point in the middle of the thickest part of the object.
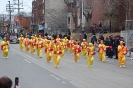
(100, 28)
(93, 29)
(5, 47)
(57, 54)
(101, 51)
(6, 82)
(49, 50)
(77, 50)
(85, 36)
(90, 54)
(26, 43)
(84, 47)
(71, 44)
(122, 51)
(21, 42)
(39, 45)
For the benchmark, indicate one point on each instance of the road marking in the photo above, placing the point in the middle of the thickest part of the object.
(80, 64)
(63, 82)
(55, 77)
(27, 61)
(13, 52)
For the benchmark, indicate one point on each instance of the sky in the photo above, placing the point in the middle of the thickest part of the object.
(27, 5)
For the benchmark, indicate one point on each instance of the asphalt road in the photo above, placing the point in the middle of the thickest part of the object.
(35, 72)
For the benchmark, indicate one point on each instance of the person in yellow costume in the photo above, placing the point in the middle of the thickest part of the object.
(32, 45)
(122, 51)
(49, 50)
(4, 47)
(102, 51)
(62, 47)
(84, 46)
(65, 41)
(77, 50)
(21, 41)
(45, 43)
(57, 39)
(26, 43)
(91, 53)
(39, 47)
(57, 52)
(70, 45)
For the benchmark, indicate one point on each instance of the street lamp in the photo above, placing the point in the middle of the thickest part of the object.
(71, 16)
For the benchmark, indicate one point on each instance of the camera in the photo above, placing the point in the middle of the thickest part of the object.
(16, 82)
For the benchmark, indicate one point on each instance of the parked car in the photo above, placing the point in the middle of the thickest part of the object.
(14, 39)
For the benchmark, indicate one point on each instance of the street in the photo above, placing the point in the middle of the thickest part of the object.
(34, 72)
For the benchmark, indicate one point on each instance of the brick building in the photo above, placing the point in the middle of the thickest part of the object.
(25, 23)
(38, 18)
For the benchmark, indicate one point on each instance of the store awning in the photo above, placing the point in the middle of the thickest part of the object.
(42, 28)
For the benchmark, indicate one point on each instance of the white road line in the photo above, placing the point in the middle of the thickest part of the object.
(55, 77)
(13, 52)
(63, 82)
(27, 61)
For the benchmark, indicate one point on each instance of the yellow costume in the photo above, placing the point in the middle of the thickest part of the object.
(26, 43)
(101, 52)
(4, 47)
(39, 45)
(62, 47)
(70, 45)
(21, 41)
(49, 50)
(77, 50)
(57, 52)
(122, 51)
(65, 41)
(90, 54)
(84, 46)
(32, 45)
(45, 43)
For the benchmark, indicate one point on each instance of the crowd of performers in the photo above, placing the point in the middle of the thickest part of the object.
(56, 48)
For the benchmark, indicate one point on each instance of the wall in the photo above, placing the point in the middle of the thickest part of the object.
(55, 14)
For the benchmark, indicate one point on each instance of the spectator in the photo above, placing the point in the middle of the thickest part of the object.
(5, 82)
(94, 40)
(60, 35)
(85, 36)
(93, 29)
(100, 28)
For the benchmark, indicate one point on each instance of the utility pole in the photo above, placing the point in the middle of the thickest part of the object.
(10, 16)
(37, 15)
(18, 8)
(82, 16)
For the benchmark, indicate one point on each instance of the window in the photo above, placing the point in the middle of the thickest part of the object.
(68, 20)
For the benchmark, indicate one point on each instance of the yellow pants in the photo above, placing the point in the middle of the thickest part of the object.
(71, 51)
(76, 57)
(48, 56)
(21, 47)
(56, 60)
(121, 60)
(84, 52)
(102, 57)
(39, 53)
(62, 53)
(5, 52)
(65, 49)
(90, 60)
(26, 48)
(32, 49)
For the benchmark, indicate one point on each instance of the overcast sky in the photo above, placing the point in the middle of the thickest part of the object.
(26, 3)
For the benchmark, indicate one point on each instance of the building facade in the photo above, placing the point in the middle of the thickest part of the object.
(55, 14)
(38, 15)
